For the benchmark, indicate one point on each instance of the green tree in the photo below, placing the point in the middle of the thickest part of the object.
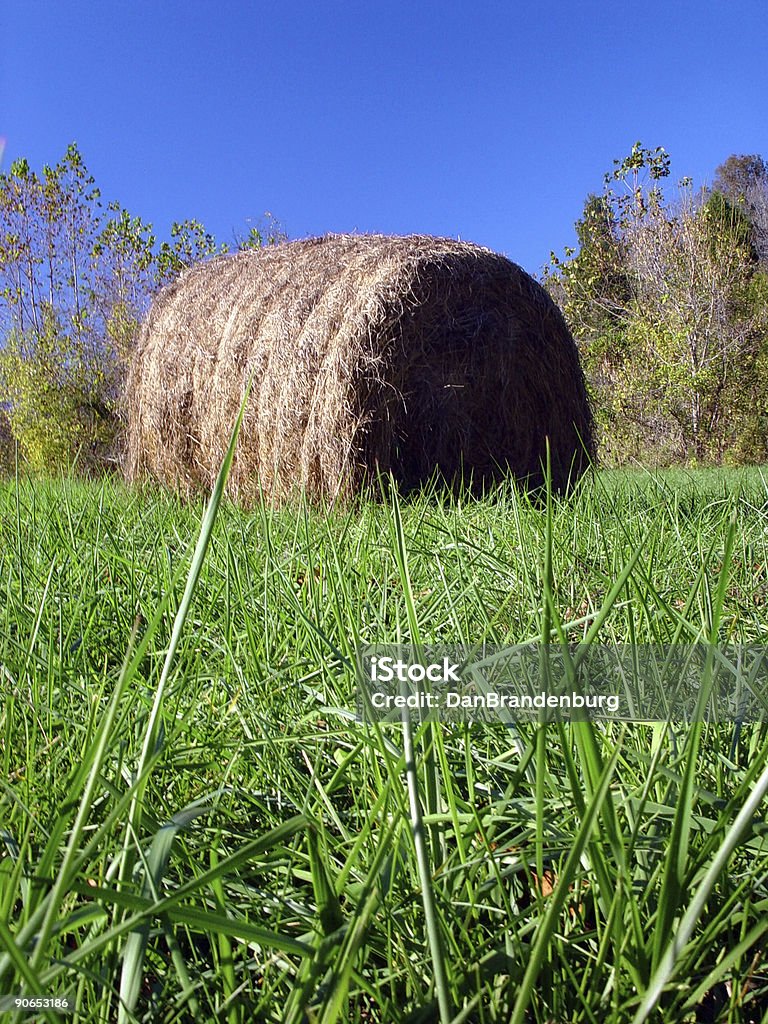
(76, 278)
(592, 280)
(591, 284)
(74, 282)
(743, 181)
(7, 445)
(666, 301)
(737, 176)
(695, 332)
(54, 411)
(189, 244)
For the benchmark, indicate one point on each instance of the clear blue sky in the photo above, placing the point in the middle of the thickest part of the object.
(488, 121)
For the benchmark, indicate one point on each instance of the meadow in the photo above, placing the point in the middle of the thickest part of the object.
(193, 825)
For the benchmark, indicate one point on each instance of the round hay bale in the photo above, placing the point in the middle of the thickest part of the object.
(424, 357)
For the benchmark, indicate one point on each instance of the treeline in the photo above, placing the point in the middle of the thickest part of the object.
(666, 293)
(667, 296)
(76, 277)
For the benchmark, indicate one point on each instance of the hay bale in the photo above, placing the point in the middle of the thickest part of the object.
(369, 354)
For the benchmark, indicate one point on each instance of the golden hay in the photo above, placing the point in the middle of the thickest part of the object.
(369, 354)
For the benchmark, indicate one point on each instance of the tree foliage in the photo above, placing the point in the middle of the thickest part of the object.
(73, 279)
(743, 181)
(76, 277)
(667, 301)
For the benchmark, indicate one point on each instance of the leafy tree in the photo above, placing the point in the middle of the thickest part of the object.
(737, 176)
(54, 411)
(591, 284)
(695, 334)
(7, 444)
(743, 181)
(269, 231)
(668, 307)
(76, 278)
(124, 267)
(189, 244)
(592, 278)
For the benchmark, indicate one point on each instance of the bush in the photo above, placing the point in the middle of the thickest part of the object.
(7, 445)
(53, 406)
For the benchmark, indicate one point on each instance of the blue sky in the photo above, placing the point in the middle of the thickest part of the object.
(488, 121)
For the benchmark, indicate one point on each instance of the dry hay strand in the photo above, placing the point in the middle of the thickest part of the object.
(422, 357)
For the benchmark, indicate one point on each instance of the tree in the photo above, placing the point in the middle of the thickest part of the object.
(592, 279)
(737, 176)
(694, 332)
(667, 304)
(54, 410)
(76, 278)
(743, 180)
(190, 244)
(7, 444)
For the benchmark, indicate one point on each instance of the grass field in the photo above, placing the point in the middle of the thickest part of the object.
(193, 826)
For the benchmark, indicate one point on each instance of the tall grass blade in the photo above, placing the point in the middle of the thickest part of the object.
(134, 954)
(666, 967)
(557, 899)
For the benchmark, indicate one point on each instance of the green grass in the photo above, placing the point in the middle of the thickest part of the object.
(194, 827)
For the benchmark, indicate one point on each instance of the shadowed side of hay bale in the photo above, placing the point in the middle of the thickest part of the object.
(368, 354)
